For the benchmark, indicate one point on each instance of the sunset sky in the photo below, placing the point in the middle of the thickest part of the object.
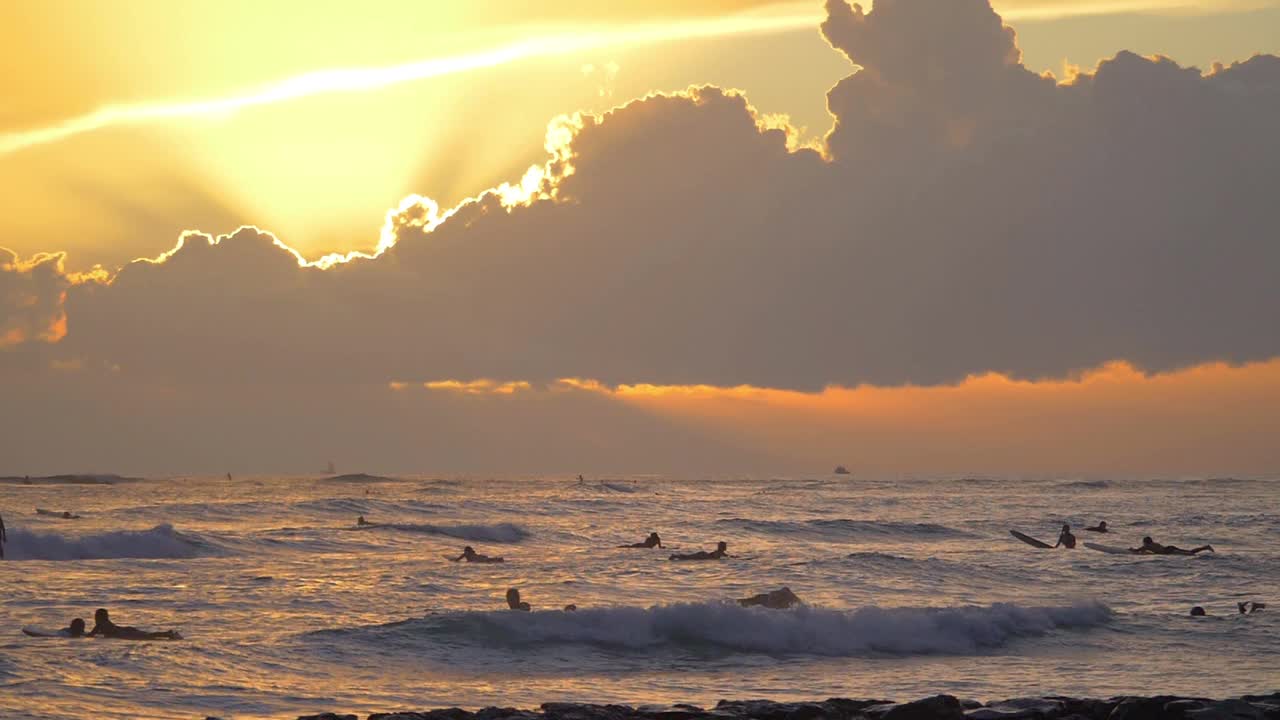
(714, 237)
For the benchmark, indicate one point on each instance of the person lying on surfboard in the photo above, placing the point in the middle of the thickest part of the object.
(1066, 539)
(470, 555)
(361, 522)
(722, 550)
(650, 542)
(1151, 547)
(1100, 527)
(103, 627)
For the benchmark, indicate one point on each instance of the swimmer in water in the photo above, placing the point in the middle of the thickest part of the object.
(1251, 607)
(1151, 547)
(513, 601)
(1197, 611)
(75, 629)
(780, 599)
(103, 627)
(653, 541)
(1100, 527)
(470, 555)
(361, 522)
(722, 550)
(1066, 539)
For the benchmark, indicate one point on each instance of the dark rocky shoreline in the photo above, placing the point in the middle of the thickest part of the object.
(938, 707)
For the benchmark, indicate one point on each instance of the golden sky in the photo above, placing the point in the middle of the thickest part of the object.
(321, 170)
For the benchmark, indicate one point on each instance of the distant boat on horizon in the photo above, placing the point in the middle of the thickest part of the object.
(331, 470)
(841, 470)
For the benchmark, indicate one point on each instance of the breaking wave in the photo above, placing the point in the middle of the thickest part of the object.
(730, 628)
(161, 541)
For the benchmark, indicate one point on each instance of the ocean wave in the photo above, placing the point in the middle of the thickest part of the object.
(730, 628)
(358, 478)
(161, 541)
(1084, 485)
(498, 532)
(840, 529)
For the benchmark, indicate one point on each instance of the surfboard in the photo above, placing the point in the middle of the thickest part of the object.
(1109, 549)
(41, 632)
(1030, 540)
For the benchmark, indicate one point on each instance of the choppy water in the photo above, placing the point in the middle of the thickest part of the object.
(914, 587)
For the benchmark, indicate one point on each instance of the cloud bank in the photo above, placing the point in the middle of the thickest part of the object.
(963, 216)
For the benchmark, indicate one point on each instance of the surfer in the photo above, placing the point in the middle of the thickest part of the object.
(650, 542)
(1151, 547)
(722, 550)
(513, 601)
(779, 599)
(470, 555)
(361, 522)
(1066, 539)
(103, 626)
(1100, 527)
(1251, 607)
(1197, 611)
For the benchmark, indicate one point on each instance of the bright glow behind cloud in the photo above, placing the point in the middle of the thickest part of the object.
(347, 80)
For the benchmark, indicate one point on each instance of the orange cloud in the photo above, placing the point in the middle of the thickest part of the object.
(1212, 418)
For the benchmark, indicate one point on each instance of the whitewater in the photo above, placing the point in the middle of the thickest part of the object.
(913, 586)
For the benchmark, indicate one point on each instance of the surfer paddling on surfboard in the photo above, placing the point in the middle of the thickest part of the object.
(1066, 539)
(1151, 547)
(470, 555)
(103, 627)
(1100, 527)
(722, 550)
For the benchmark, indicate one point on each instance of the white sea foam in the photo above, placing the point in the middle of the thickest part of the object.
(802, 631)
(161, 541)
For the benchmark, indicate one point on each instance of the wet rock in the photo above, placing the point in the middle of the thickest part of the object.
(506, 713)
(575, 711)
(1225, 710)
(671, 712)
(938, 707)
(1019, 709)
(441, 714)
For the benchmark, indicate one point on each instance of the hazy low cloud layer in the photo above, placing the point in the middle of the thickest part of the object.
(965, 215)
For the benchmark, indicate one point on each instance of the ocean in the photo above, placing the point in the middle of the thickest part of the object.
(913, 586)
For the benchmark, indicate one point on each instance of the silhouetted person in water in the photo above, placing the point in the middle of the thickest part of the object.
(513, 601)
(1151, 547)
(4, 538)
(780, 599)
(1197, 611)
(1100, 527)
(1252, 607)
(228, 477)
(653, 541)
(361, 522)
(722, 550)
(102, 626)
(75, 629)
(470, 555)
(1066, 539)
